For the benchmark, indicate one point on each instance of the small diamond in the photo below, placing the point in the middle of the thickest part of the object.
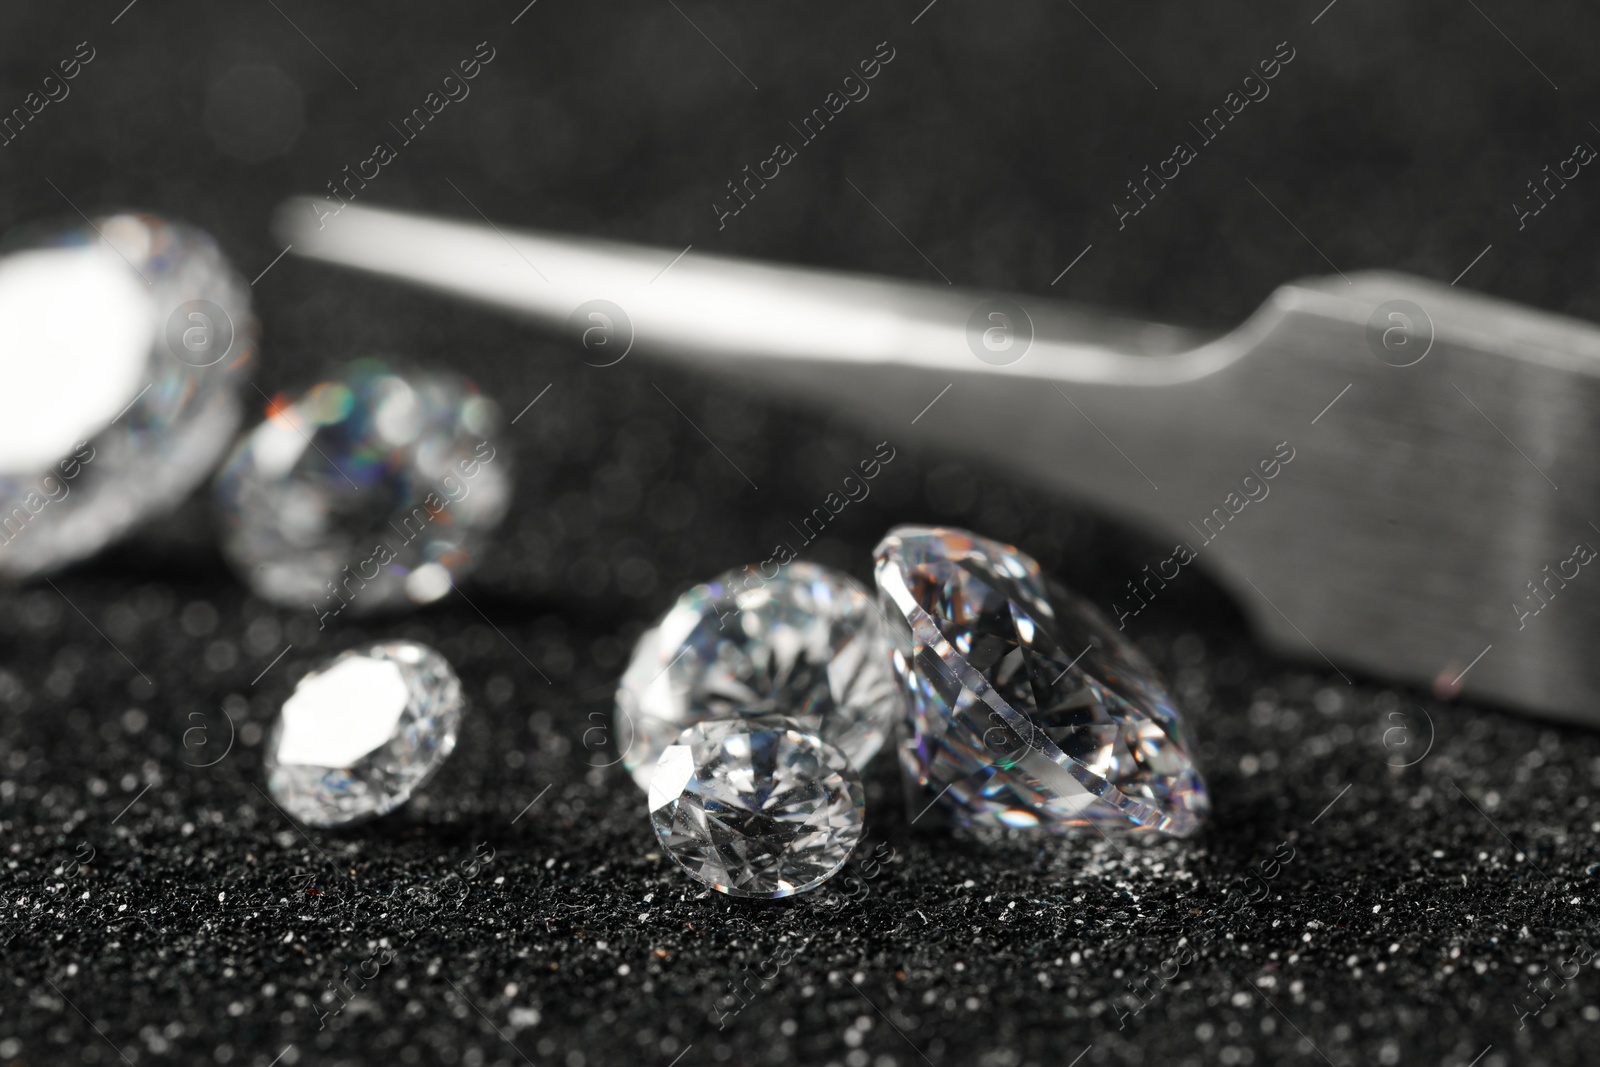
(374, 490)
(807, 643)
(123, 347)
(1027, 708)
(756, 807)
(363, 732)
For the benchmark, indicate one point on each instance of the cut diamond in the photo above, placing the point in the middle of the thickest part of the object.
(124, 344)
(363, 732)
(807, 643)
(1027, 709)
(756, 807)
(374, 490)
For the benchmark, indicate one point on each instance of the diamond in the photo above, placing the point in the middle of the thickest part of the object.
(1027, 709)
(363, 732)
(374, 490)
(756, 807)
(807, 643)
(123, 346)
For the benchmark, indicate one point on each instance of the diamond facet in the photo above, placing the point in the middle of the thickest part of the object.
(374, 490)
(1027, 709)
(361, 733)
(807, 643)
(123, 346)
(756, 807)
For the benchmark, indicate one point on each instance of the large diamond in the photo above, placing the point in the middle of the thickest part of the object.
(373, 490)
(756, 807)
(1027, 709)
(361, 733)
(807, 643)
(123, 346)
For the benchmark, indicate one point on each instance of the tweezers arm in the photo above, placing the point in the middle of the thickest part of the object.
(716, 306)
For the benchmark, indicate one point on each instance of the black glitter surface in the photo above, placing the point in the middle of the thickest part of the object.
(155, 907)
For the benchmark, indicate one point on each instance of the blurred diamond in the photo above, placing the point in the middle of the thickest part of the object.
(360, 734)
(123, 346)
(373, 490)
(756, 807)
(1027, 708)
(807, 643)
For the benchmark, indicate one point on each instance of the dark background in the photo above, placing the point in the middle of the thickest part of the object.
(202, 927)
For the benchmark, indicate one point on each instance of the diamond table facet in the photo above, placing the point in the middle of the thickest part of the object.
(756, 807)
(1027, 709)
(363, 732)
(807, 643)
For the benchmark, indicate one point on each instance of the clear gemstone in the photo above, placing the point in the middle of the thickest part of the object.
(374, 490)
(808, 644)
(756, 807)
(361, 733)
(123, 347)
(1027, 708)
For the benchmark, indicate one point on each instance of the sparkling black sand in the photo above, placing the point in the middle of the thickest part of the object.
(155, 910)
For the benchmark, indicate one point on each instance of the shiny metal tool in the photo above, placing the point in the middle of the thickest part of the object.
(1389, 474)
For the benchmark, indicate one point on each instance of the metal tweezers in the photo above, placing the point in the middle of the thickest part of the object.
(1389, 475)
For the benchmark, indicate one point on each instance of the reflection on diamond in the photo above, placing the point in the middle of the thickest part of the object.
(1027, 708)
(807, 643)
(756, 807)
(360, 734)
